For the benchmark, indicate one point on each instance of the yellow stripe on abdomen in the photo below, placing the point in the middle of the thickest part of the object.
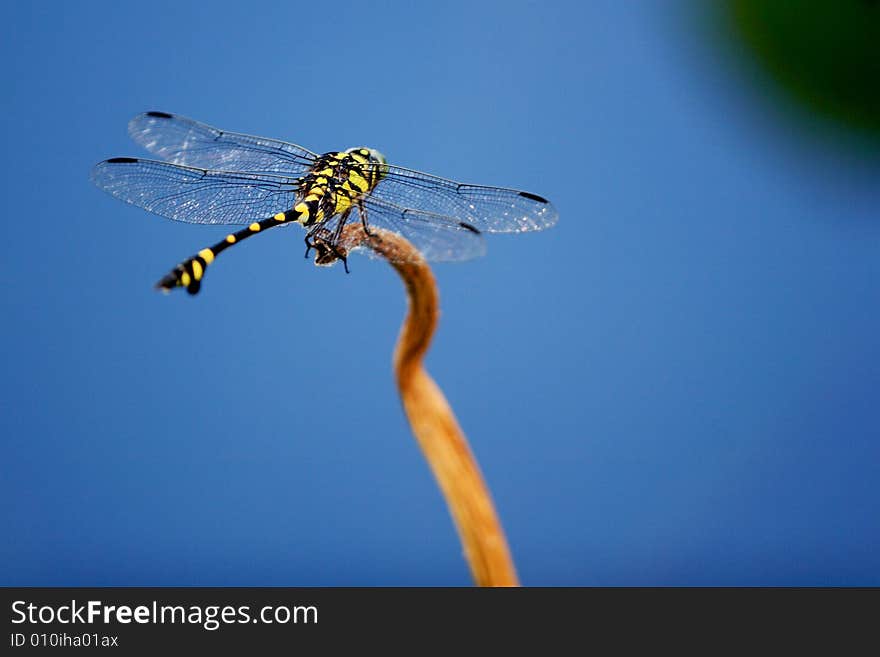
(303, 211)
(197, 269)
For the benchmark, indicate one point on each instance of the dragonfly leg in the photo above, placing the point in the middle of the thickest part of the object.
(362, 213)
(337, 234)
(335, 245)
(315, 240)
(327, 253)
(326, 244)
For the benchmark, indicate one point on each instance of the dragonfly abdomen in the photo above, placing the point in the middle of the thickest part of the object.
(189, 273)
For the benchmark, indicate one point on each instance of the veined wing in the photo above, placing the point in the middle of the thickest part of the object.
(180, 140)
(489, 209)
(438, 238)
(196, 196)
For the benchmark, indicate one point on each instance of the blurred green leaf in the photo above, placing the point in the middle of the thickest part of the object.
(826, 54)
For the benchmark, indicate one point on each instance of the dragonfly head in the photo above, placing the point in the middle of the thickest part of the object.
(376, 159)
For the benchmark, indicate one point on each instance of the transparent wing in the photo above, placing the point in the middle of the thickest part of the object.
(180, 140)
(196, 196)
(489, 209)
(438, 238)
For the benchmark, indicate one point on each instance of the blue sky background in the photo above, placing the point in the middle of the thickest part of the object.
(677, 385)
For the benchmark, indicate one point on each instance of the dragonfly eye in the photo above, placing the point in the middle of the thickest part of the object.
(379, 159)
(376, 159)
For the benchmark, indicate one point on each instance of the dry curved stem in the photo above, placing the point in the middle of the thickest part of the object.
(430, 416)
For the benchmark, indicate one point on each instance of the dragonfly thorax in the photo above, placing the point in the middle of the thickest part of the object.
(336, 183)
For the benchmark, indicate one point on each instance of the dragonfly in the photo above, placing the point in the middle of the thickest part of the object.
(204, 175)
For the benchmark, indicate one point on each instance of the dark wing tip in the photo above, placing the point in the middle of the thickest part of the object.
(533, 197)
(122, 160)
(466, 225)
(160, 115)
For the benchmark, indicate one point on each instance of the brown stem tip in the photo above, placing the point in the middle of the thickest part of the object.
(430, 416)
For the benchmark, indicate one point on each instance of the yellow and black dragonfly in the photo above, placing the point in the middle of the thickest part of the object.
(210, 176)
